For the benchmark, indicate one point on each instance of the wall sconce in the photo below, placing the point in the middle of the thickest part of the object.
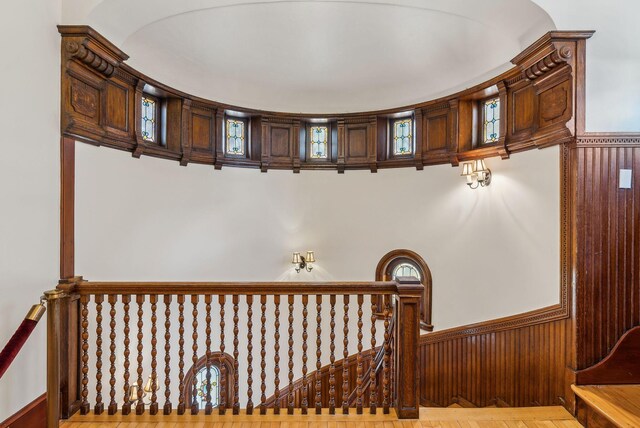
(302, 262)
(477, 173)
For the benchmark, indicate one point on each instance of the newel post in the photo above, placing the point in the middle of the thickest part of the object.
(406, 356)
(55, 300)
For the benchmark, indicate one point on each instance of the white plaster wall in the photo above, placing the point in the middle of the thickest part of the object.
(613, 58)
(29, 122)
(492, 252)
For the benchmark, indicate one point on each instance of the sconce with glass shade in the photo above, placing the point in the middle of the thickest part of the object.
(476, 173)
(302, 262)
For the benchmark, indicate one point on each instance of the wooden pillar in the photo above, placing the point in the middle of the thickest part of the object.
(67, 191)
(406, 353)
(55, 299)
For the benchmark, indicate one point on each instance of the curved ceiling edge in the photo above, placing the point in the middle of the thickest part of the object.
(541, 98)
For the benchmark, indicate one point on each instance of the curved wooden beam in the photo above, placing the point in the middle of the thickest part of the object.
(541, 101)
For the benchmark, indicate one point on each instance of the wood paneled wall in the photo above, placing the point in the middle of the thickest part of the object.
(518, 367)
(607, 237)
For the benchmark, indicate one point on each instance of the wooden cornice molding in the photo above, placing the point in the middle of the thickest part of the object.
(87, 45)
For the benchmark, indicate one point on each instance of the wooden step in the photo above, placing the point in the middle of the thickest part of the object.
(608, 405)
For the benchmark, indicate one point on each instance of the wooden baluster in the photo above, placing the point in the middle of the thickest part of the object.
(345, 362)
(181, 398)
(373, 393)
(153, 407)
(99, 406)
(207, 300)
(140, 403)
(386, 382)
(236, 385)
(84, 404)
(290, 392)
(194, 358)
(305, 386)
(318, 354)
(167, 355)
(113, 405)
(222, 408)
(359, 367)
(263, 353)
(332, 357)
(249, 355)
(276, 336)
(126, 406)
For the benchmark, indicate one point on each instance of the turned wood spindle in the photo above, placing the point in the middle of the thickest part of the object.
(113, 405)
(194, 358)
(236, 385)
(332, 357)
(249, 409)
(167, 355)
(359, 367)
(207, 300)
(153, 407)
(99, 406)
(84, 404)
(263, 353)
(290, 395)
(318, 386)
(373, 393)
(386, 382)
(139, 402)
(276, 358)
(126, 406)
(181, 398)
(305, 335)
(222, 408)
(345, 354)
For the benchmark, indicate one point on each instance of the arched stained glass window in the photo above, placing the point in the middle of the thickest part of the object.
(403, 137)
(491, 120)
(319, 142)
(406, 270)
(235, 137)
(201, 386)
(149, 119)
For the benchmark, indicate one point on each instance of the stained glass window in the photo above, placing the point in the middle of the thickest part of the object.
(235, 137)
(402, 137)
(201, 386)
(491, 121)
(149, 119)
(406, 269)
(319, 142)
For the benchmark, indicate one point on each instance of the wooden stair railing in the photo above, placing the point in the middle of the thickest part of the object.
(129, 321)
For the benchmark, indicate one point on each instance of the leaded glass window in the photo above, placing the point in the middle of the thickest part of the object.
(319, 142)
(491, 121)
(403, 137)
(149, 119)
(201, 386)
(406, 269)
(235, 137)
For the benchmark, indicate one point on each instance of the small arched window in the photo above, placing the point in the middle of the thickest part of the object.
(220, 372)
(399, 263)
(201, 385)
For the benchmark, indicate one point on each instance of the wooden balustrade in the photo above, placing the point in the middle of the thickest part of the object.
(373, 386)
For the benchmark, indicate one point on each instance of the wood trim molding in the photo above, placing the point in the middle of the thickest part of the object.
(539, 95)
(608, 139)
(33, 415)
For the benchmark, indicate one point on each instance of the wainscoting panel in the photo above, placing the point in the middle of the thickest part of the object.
(608, 244)
(517, 367)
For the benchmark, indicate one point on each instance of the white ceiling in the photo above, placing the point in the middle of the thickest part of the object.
(316, 56)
